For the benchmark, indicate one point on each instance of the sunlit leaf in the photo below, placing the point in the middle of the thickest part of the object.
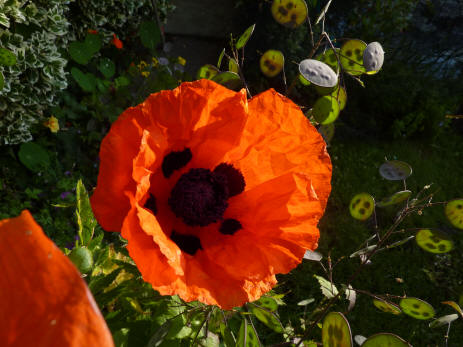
(454, 212)
(247, 336)
(361, 206)
(85, 219)
(244, 38)
(417, 308)
(272, 62)
(219, 62)
(228, 79)
(290, 13)
(233, 65)
(444, 320)
(387, 306)
(267, 317)
(434, 241)
(395, 198)
(82, 259)
(207, 71)
(336, 330)
(385, 339)
(455, 306)
(305, 302)
(328, 289)
(351, 57)
(323, 12)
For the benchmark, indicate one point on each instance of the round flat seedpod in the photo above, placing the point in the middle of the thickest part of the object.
(290, 13)
(341, 96)
(329, 58)
(245, 37)
(385, 340)
(351, 57)
(361, 206)
(304, 81)
(336, 331)
(272, 62)
(318, 73)
(417, 308)
(228, 79)
(387, 307)
(395, 170)
(326, 110)
(373, 57)
(207, 71)
(395, 198)
(434, 241)
(327, 131)
(454, 212)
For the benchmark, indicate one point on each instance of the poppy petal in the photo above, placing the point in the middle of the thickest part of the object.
(277, 139)
(44, 301)
(278, 225)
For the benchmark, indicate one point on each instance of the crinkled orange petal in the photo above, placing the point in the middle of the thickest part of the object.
(43, 300)
(279, 223)
(278, 138)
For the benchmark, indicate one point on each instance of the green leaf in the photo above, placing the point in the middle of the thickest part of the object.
(227, 335)
(247, 336)
(7, 58)
(267, 317)
(219, 62)
(92, 43)
(2, 81)
(99, 283)
(121, 81)
(33, 156)
(107, 67)
(228, 79)
(245, 37)
(86, 81)
(82, 259)
(79, 52)
(150, 35)
(85, 219)
(329, 290)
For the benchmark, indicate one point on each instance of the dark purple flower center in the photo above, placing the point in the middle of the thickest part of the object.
(200, 197)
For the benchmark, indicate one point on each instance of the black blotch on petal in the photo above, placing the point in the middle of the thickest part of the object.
(175, 160)
(187, 243)
(235, 179)
(150, 204)
(230, 226)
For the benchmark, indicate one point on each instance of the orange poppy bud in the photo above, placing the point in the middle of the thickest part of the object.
(116, 42)
(216, 194)
(92, 31)
(43, 300)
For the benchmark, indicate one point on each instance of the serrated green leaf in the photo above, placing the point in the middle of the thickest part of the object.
(150, 35)
(329, 290)
(85, 219)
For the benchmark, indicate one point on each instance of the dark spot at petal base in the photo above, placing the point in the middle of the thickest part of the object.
(230, 226)
(234, 177)
(200, 197)
(175, 161)
(150, 204)
(187, 243)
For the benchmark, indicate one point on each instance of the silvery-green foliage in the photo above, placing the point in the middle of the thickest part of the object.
(36, 32)
(122, 17)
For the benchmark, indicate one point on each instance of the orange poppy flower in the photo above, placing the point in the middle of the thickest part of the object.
(215, 193)
(116, 42)
(43, 300)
